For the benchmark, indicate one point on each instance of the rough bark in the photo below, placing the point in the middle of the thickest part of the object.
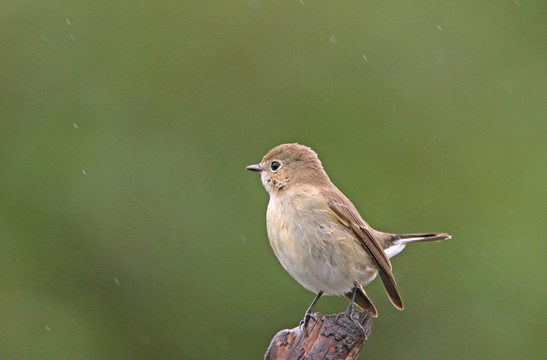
(332, 337)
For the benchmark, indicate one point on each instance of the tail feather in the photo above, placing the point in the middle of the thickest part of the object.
(395, 243)
(406, 238)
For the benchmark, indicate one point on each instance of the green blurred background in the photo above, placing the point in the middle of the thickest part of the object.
(130, 229)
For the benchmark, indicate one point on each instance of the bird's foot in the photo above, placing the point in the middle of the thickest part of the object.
(309, 315)
(349, 313)
(306, 320)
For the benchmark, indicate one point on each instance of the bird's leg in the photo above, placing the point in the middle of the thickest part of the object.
(349, 311)
(310, 309)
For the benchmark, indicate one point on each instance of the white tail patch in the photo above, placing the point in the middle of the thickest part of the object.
(394, 249)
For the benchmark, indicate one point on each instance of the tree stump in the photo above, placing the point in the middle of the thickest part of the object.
(332, 337)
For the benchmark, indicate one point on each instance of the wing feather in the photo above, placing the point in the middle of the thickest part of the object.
(349, 216)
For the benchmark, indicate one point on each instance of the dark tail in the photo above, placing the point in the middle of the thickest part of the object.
(407, 238)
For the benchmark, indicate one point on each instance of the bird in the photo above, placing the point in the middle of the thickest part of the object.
(318, 235)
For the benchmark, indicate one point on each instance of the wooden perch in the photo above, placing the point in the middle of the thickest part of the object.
(333, 337)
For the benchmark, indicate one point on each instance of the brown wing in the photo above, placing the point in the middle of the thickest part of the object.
(349, 216)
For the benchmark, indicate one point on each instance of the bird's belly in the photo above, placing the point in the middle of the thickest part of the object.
(320, 254)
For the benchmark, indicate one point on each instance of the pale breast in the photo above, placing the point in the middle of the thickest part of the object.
(317, 250)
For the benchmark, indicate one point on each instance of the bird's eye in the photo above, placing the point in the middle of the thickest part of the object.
(275, 165)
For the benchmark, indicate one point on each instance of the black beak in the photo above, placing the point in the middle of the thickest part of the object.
(256, 168)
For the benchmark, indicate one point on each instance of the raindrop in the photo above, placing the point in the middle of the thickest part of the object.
(517, 2)
(83, 172)
(72, 37)
(68, 21)
(332, 39)
(364, 57)
(117, 281)
(47, 328)
(145, 339)
(441, 58)
(75, 125)
(439, 27)
(223, 343)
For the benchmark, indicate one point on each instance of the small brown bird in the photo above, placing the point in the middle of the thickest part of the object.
(318, 235)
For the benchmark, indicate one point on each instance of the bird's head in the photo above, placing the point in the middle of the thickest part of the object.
(289, 165)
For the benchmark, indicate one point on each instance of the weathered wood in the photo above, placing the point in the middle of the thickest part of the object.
(332, 337)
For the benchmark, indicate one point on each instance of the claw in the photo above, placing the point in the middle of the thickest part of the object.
(349, 311)
(307, 318)
(309, 313)
(356, 322)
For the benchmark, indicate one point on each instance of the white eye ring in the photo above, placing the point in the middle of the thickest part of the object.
(275, 165)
